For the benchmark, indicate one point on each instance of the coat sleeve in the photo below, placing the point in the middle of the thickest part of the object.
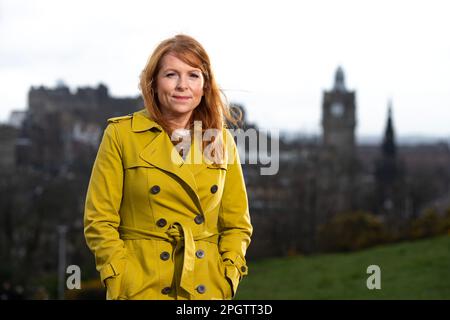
(234, 219)
(103, 200)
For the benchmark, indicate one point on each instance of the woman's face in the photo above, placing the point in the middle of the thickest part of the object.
(179, 87)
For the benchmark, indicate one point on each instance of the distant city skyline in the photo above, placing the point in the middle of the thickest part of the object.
(275, 58)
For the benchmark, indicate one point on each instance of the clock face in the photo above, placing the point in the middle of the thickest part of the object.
(337, 109)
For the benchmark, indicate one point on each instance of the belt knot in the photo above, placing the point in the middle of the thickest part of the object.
(175, 234)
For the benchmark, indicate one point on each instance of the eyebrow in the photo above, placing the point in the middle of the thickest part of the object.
(192, 70)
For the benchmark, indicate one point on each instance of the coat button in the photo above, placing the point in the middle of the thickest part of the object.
(155, 189)
(161, 222)
(164, 255)
(243, 269)
(201, 288)
(200, 253)
(166, 290)
(199, 219)
(214, 188)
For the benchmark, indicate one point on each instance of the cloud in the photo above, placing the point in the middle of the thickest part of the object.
(282, 53)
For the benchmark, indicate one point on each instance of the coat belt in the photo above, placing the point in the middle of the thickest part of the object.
(181, 236)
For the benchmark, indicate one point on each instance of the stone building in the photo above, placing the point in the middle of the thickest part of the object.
(62, 129)
(8, 138)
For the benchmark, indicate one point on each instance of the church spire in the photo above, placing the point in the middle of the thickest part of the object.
(339, 80)
(389, 146)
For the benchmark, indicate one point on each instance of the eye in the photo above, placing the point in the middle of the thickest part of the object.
(170, 74)
(195, 75)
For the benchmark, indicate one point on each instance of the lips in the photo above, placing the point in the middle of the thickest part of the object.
(183, 98)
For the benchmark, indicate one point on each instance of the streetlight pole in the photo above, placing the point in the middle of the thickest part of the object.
(62, 230)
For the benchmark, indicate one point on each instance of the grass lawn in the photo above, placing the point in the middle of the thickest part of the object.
(409, 270)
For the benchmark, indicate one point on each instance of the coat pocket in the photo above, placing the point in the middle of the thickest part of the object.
(233, 277)
(228, 286)
(114, 283)
(126, 282)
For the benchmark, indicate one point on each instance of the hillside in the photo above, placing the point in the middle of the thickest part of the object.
(409, 270)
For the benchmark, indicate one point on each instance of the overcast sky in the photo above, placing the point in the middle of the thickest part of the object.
(275, 57)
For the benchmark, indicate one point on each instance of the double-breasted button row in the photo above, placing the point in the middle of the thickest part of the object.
(155, 189)
(199, 219)
(164, 255)
(200, 289)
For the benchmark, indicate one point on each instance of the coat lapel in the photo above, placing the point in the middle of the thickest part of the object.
(161, 153)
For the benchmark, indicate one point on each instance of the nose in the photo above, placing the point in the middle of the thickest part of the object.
(182, 83)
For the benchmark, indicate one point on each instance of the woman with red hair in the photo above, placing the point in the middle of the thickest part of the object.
(169, 219)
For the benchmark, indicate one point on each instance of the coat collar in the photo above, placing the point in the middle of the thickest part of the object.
(142, 122)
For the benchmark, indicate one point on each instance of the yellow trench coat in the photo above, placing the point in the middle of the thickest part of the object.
(160, 227)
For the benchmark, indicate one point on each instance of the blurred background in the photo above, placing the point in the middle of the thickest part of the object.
(358, 90)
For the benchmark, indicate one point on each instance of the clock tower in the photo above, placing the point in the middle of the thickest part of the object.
(338, 118)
